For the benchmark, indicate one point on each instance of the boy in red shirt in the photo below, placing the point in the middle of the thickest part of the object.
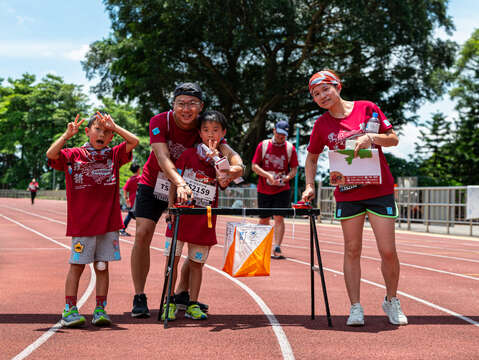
(198, 170)
(129, 192)
(93, 206)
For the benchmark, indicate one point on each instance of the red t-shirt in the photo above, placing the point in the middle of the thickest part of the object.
(33, 186)
(275, 160)
(93, 198)
(332, 132)
(130, 187)
(163, 129)
(194, 228)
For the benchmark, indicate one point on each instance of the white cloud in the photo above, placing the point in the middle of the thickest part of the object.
(24, 19)
(35, 50)
(77, 54)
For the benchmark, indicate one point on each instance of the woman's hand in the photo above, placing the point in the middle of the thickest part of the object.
(363, 142)
(308, 193)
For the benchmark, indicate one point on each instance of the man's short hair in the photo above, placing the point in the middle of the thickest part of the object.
(188, 88)
(134, 167)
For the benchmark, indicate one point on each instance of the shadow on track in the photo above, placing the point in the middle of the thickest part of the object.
(220, 322)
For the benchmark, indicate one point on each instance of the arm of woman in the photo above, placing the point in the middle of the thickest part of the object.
(387, 139)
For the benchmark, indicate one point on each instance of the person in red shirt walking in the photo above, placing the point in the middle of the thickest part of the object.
(348, 120)
(276, 163)
(129, 193)
(93, 206)
(33, 188)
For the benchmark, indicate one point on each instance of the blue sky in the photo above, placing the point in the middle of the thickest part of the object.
(52, 36)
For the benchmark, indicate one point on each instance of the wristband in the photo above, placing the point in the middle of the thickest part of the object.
(370, 138)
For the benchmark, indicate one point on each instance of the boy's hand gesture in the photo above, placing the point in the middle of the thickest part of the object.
(73, 127)
(106, 121)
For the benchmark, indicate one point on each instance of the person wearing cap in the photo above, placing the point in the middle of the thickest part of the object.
(347, 120)
(276, 163)
(171, 133)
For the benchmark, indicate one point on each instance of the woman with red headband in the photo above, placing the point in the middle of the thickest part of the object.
(347, 120)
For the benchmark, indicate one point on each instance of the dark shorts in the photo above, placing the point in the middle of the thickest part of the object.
(279, 200)
(383, 206)
(147, 205)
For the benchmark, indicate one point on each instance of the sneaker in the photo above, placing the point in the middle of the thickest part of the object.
(194, 312)
(124, 233)
(183, 299)
(140, 307)
(100, 317)
(171, 313)
(393, 310)
(356, 315)
(71, 318)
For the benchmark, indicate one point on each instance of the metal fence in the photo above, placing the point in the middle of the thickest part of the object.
(429, 209)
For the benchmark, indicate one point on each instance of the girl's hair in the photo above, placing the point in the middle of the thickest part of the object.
(134, 167)
(212, 115)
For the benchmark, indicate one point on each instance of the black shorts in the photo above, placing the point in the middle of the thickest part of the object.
(147, 205)
(279, 200)
(383, 206)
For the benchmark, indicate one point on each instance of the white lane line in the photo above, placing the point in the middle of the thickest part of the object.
(28, 249)
(401, 263)
(50, 332)
(284, 344)
(425, 302)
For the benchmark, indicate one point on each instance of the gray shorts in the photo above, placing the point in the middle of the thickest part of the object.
(196, 253)
(87, 249)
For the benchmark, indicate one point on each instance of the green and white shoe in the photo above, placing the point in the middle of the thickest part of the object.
(172, 311)
(194, 312)
(100, 317)
(71, 318)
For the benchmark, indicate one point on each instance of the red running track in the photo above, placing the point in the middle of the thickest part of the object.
(250, 318)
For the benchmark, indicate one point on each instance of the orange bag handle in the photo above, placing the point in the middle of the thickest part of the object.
(208, 214)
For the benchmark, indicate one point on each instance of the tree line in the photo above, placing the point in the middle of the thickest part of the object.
(253, 59)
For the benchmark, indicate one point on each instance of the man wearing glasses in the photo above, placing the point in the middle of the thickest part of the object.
(171, 132)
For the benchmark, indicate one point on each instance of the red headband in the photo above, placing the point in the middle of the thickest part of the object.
(324, 77)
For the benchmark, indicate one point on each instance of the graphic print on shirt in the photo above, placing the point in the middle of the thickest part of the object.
(175, 150)
(87, 174)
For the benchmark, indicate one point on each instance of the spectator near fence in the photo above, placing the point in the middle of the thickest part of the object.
(276, 163)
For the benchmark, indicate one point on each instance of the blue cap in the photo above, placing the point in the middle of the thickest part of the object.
(282, 127)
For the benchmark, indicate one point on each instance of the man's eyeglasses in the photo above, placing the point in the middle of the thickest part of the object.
(184, 105)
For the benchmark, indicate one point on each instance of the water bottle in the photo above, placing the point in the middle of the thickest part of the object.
(373, 124)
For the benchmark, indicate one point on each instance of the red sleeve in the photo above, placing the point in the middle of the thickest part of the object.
(181, 162)
(128, 184)
(294, 159)
(60, 164)
(123, 156)
(159, 128)
(316, 145)
(385, 125)
(258, 155)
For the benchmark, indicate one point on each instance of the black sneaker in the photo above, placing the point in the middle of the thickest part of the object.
(182, 300)
(140, 307)
(124, 233)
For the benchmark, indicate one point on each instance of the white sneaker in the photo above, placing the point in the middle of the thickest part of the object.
(356, 315)
(393, 310)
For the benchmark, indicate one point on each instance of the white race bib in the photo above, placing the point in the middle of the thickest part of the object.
(203, 194)
(162, 187)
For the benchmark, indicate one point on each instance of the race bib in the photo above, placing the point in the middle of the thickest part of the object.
(204, 194)
(162, 187)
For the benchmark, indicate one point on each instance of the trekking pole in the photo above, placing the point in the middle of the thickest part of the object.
(169, 275)
(321, 272)
(311, 256)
